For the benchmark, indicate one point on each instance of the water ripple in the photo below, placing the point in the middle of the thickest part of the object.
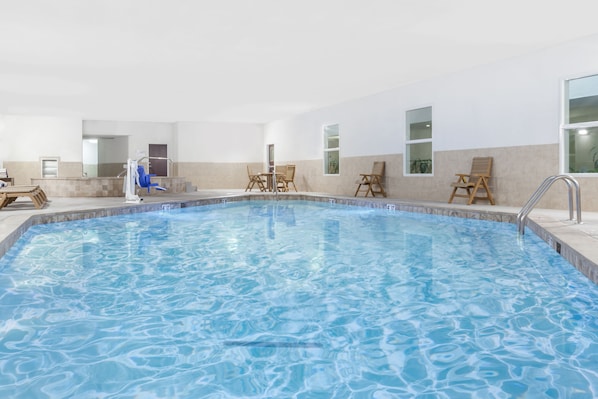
(294, 299)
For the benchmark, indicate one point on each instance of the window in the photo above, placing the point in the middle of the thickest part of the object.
(49, 167)
(418, 143)
(580, 125)
(331, 150)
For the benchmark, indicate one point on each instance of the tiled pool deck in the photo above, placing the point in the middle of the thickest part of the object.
(578, 243)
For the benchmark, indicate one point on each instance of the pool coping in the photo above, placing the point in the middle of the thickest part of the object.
(551, 229)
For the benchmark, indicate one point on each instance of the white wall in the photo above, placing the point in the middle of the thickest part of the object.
(141, 134)
(511, 103)
(27, 138)
(219, 142)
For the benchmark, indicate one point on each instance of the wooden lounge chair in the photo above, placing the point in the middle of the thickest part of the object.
(9, 194)
(373, 181)
(286, 178)
(481, 169)
(253, 180)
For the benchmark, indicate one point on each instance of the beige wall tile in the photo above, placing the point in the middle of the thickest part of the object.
(102, 186)
(517, 173)
(211, 175)
(22, 172)
(70, 169)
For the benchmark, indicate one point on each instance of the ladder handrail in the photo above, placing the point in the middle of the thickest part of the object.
(150, 158)
(537, 195)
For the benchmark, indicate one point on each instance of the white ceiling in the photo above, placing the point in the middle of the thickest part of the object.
(253, 60)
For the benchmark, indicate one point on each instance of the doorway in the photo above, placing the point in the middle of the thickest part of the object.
(270, 158)
(159, 167)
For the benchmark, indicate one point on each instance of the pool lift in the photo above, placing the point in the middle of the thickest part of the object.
(135, 175)
(131, 179)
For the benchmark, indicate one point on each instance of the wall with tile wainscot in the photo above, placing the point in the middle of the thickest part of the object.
(102, 186)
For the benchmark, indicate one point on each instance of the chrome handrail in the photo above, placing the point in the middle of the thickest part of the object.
(537, 195)
(275, 185)
(150, 158)
(147, 157)
(141, 159)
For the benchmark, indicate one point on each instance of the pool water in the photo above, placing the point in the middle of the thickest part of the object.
(293, 300)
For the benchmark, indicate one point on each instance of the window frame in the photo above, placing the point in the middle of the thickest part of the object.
(408, 142)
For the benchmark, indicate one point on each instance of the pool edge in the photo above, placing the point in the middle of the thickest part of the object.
(554, 236)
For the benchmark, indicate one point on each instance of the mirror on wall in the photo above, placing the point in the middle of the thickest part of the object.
(104, 156)
(90, 157)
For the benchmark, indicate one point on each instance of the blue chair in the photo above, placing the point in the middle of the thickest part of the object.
(145, 179)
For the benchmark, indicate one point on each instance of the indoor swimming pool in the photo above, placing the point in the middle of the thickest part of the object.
(293, 299)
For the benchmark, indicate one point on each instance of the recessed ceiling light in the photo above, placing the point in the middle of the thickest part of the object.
(582, 132)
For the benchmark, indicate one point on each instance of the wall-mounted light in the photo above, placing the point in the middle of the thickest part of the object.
(582, 132)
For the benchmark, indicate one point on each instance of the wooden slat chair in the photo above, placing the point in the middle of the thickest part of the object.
(280, 172)
(253, 180)
(9, 194)
(372, 181)
(287, 178)
(477, 179)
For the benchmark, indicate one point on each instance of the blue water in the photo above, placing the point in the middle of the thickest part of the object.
(292, 299)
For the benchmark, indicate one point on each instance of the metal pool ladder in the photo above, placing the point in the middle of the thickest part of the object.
(274, 184)
(527, 208)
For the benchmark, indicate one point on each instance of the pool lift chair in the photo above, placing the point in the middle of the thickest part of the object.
(145, 180)
(136, 176)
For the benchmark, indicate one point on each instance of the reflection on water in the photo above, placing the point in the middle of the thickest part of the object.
(275, 213)
(274, 300)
